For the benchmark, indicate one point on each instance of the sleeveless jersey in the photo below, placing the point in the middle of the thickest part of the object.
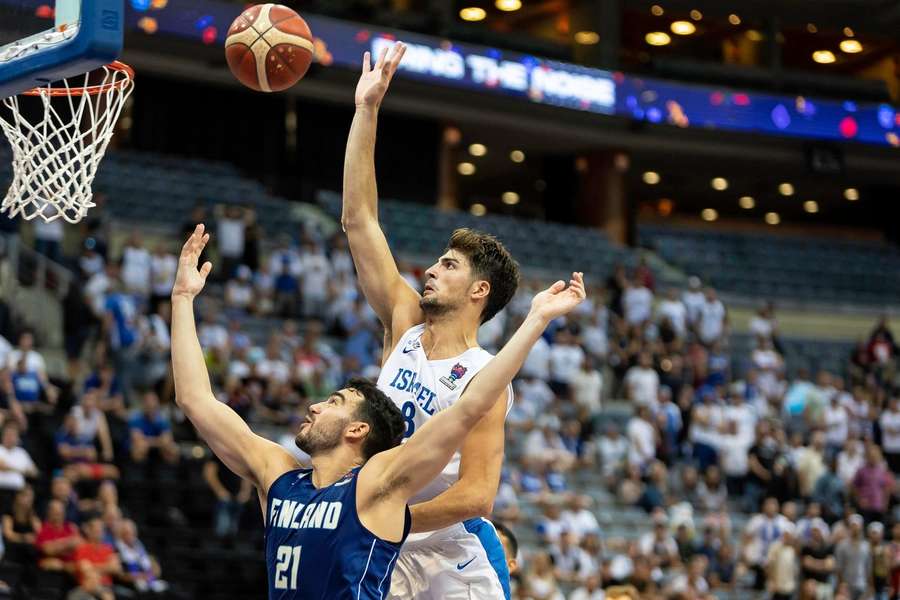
(316, 546)
(422, 387)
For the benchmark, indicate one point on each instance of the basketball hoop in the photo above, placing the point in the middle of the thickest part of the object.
(55, 158)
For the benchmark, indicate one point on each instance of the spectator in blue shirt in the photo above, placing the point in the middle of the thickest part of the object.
(151, 433)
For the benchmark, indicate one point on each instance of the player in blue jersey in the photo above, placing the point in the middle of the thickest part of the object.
(334, 531)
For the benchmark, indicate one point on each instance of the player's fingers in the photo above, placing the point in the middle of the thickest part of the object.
(557, 287)
(381, 56)
(205, 269)
(367, 63)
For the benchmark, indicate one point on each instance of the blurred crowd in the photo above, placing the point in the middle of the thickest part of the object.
(738, 473)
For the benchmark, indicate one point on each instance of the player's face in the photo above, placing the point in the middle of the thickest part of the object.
(448, 284)
(326, 422)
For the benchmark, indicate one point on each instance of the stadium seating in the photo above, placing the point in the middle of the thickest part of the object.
(803, 268)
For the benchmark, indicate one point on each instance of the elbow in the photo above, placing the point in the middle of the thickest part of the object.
(481, 505)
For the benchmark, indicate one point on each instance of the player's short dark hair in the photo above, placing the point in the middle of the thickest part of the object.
(386, 424)
(508, 534)
(490, 260)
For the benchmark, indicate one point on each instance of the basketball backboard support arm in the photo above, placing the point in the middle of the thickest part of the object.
(60, 53)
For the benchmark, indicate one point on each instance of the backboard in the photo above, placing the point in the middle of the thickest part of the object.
(42, 41)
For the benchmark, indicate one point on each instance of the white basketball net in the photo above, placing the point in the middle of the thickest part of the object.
(55, 158)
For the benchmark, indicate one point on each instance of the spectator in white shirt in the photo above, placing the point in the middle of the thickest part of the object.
(890, 433)
(579, 519)
(693, 300)
(642, 437)
(48, 236)
(642, 382)
(637, 303)
(239, 291)
(849, 460)
(136, 267)
(15, 464)
(673, 309)
(837, 428)
(566, 357)
(595, 335)
(713, 318)
(314, 284)
(587, 387)
(768, 365)
(590, 590)
(612, 452)
(761, 532)
(537, 364)
(572, 564)
(763, 323)
(163, 265)
(230, 230)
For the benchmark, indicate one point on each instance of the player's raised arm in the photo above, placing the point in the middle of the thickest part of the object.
(416, 463)
(245, 453)
(387, 292)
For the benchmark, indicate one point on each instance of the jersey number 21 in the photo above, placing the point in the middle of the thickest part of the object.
(287, 559)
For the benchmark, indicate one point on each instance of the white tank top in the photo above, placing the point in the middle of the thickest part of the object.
(421, 387)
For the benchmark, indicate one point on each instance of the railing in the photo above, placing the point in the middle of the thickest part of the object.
(23, 270)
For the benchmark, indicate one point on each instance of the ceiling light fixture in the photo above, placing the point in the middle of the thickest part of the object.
(851, 46)
(746, 202)
(508, 5)
(824, 57)
(657, 38)
(651, 177)
(683, 28)
(472, 13)
(709, 214)
(587, 38)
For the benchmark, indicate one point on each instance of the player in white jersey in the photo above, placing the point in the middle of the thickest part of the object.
(431, 354)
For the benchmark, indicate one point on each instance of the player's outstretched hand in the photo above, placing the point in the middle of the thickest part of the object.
(558, 299)
(374, 81)
(189, 280)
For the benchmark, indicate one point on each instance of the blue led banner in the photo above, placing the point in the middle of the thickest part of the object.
(532, 79)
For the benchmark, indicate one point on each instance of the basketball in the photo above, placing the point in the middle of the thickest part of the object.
(269, 47)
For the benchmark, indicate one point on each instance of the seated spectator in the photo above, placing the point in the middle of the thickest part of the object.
(853, 557)
(723, 571)
(140, 570)
(551, 525)
(571, 563)
(612, 452)
(642, 382)
(109, 390)
(93, 556)
(151, 434)
(579, 519)
(817, 562)
(761, 532)
(881, 559)
(57, 539)
(873, 485)
(79, 456)
(591, 589)
(15, 464)
(61, 489)
(782, 566)
(30, 390)
(540, 581)
(10, 407)
(659, 546)
(239, 291)
(642, 437)
(92, 425)
(711, 491)
(20, 528)
(90, 587)
(232, 492)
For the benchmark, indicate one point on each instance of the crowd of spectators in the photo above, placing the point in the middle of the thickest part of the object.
(747, 478)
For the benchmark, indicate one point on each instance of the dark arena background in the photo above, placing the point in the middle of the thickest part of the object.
(721, 419)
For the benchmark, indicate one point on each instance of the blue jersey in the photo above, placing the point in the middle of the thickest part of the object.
(316, 546)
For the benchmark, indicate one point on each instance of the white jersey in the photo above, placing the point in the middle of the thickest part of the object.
(421, 387)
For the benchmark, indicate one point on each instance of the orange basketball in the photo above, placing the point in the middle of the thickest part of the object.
(269, 47)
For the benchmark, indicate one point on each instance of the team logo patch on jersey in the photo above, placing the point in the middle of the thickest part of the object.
(456, 373)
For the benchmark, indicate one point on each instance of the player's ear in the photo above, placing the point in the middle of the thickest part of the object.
(481, 288)
(513, 565)
(357, 430)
